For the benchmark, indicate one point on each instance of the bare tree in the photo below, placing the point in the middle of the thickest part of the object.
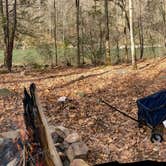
(141, 31)
(107, 38)
(55, 34)
(132, 34)
(162, 8)
(78, 30)
(9, 24)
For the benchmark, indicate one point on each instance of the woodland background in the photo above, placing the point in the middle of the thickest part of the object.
(41, 41)
(76, 32)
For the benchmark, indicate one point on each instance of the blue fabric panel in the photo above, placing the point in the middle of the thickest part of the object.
(152, 109)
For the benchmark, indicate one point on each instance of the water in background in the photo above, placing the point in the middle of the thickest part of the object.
(31, 56)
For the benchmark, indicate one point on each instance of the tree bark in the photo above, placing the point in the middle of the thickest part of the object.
(101, 39)
(3, 24)
(141, 39)
(9, 30)
(78, 30)
(126, 46)
(55, 35)
(133, 55)
(82, 34)
(122, 5)
(163, 13)
(8, 49)
(107, 38)
(141, 32)
(118, 52)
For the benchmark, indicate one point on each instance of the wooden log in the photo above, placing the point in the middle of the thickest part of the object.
(51, 157)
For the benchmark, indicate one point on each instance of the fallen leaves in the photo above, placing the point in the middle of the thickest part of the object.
(109, 135)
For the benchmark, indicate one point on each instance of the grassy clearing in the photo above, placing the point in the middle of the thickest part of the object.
(23, 56)
(148, 53)
(31, 55)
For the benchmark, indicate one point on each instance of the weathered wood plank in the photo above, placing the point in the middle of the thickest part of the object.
(51, 157)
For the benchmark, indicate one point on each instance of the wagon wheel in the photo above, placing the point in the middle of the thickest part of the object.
(156, 138)
(157, 134)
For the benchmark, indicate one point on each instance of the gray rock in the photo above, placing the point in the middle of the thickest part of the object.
(77, 150)
(65, 161)
(62, 131)
(10, 134)
(52, 128)
(78, 162)
(60, 147)
(74, 137)
(1, 141)
(66, 145)
(55, 137)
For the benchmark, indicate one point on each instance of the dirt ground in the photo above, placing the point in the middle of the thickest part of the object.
(109, 135)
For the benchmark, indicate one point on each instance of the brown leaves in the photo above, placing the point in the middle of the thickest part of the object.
(109, 135)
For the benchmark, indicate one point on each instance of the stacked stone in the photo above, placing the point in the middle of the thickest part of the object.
(72, 149)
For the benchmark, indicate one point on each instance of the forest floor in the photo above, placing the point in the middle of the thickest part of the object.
(109, 135)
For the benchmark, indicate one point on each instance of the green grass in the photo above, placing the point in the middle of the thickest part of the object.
(23, 56)
(1, 56)
(31, 56)
(148, 53)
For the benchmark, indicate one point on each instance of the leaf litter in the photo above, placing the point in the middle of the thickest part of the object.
(109, 135)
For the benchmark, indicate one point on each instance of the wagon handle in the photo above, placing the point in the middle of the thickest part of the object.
(114, 108)
(123, 113)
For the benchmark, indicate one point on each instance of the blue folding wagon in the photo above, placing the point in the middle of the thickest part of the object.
(152, 112)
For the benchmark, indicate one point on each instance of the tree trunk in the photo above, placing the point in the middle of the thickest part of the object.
(126, 47)
(3, 24)
(63, 37)
(9, 50)
(55, 34)
(9, 55)
(82, 35)
(141, 32)
(152, 45)
(118, 52)
(92, 48)
(8, 31)
(101, 39)
(163, 13)
(107, 38)
(78, 30)
(133, 55)
(141, 39)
